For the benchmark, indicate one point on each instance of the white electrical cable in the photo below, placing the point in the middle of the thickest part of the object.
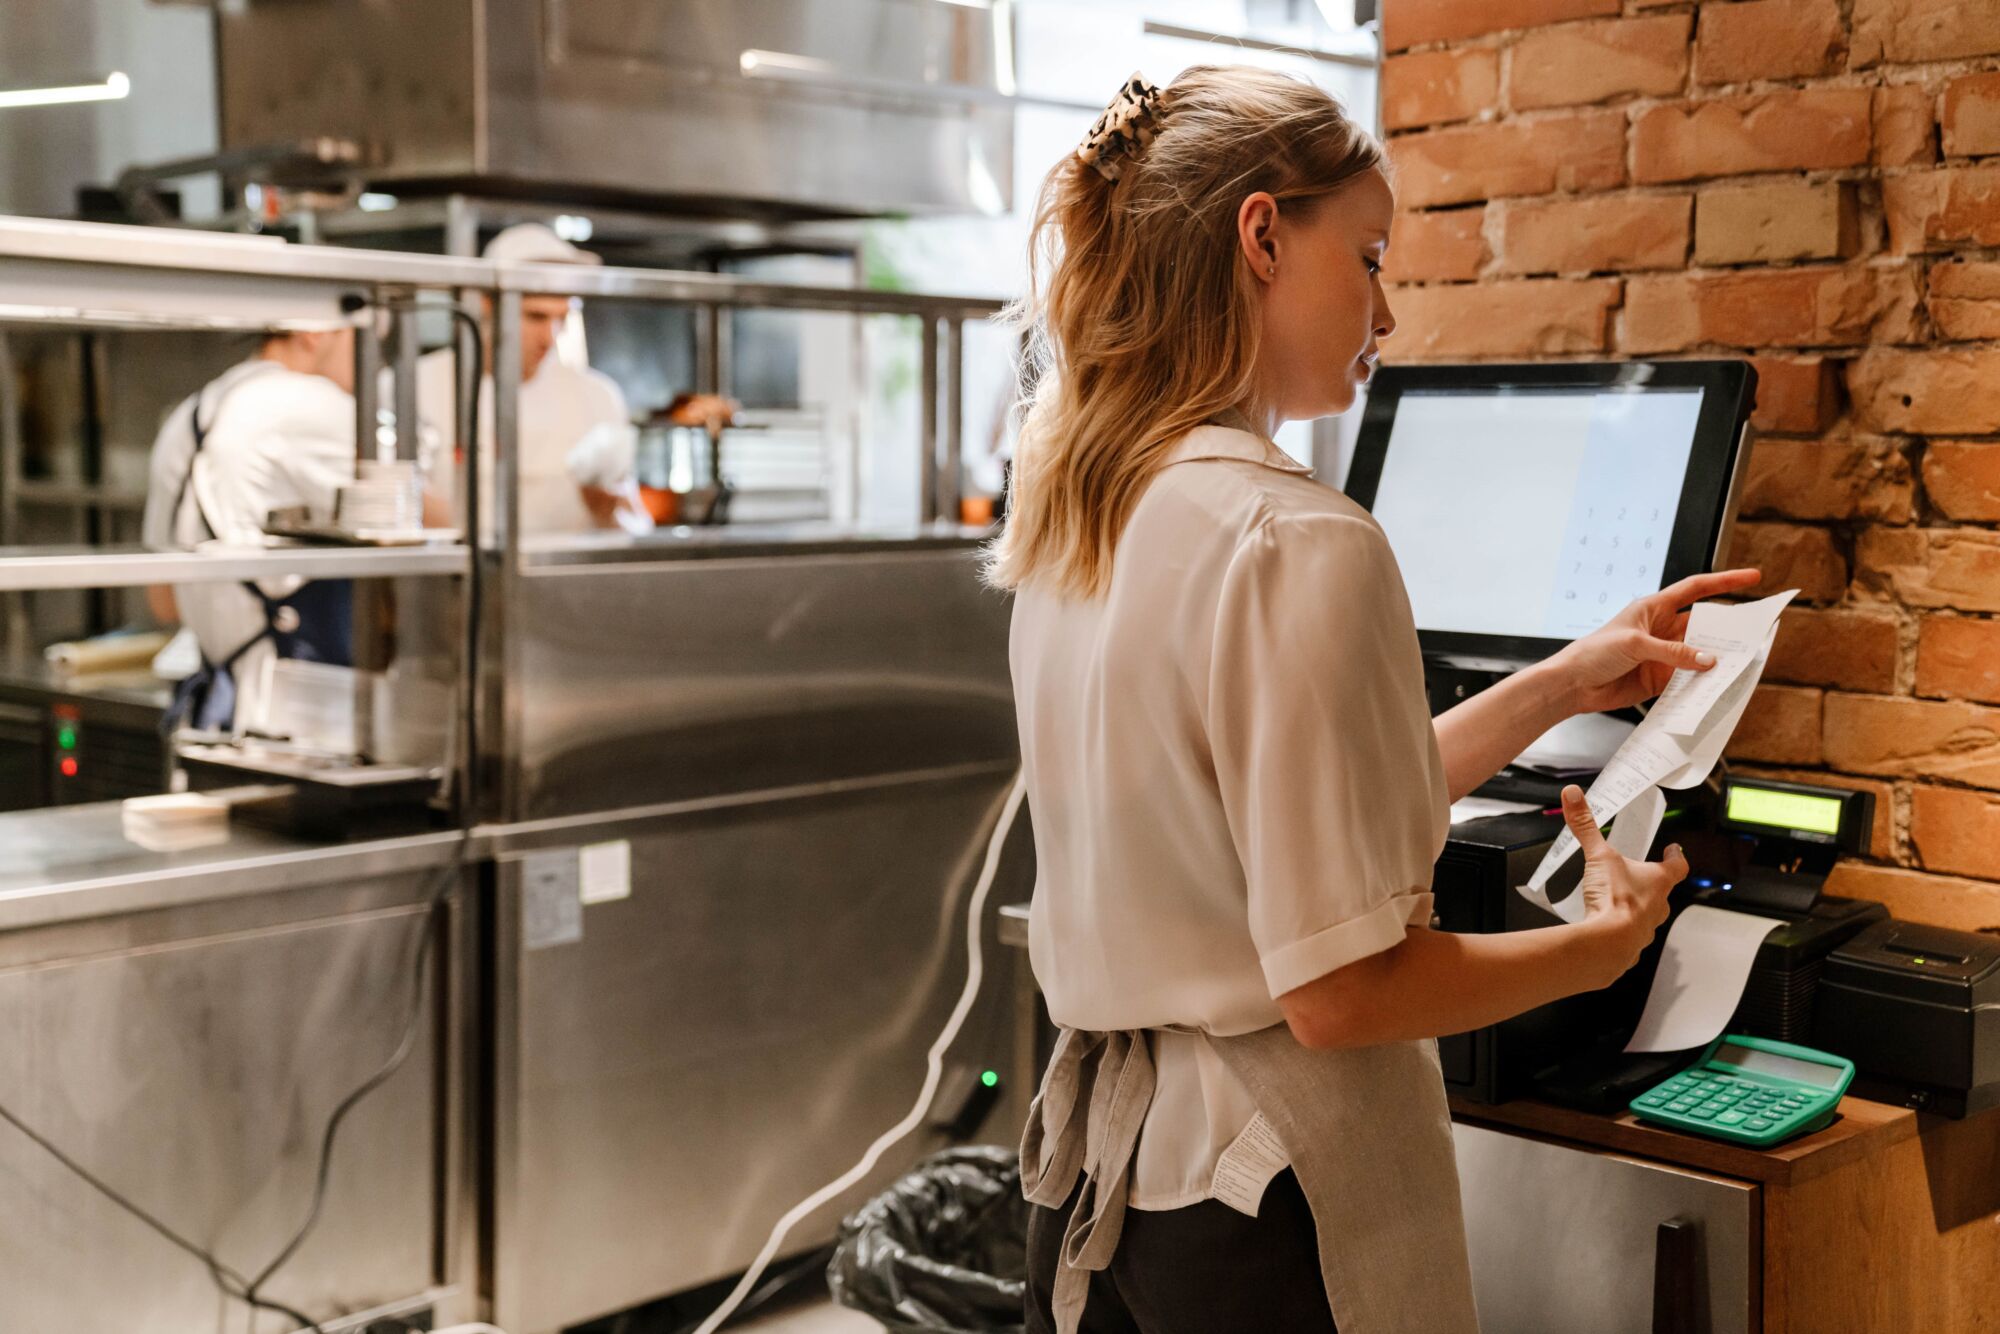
(935, 1071)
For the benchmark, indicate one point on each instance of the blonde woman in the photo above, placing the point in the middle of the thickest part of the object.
(1238, 792)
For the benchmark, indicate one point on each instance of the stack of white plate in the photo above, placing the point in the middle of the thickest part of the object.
(171, 822)
(388, 496)
(310, 704)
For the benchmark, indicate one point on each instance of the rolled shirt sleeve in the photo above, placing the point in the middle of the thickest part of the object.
(1325, 756)
(312, 451)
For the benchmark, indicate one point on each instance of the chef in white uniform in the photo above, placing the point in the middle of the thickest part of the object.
(560, 406)
(271, 432)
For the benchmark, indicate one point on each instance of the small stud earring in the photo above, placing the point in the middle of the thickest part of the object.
(1272, 271)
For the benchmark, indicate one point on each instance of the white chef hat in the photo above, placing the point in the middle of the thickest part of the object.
(533, 243)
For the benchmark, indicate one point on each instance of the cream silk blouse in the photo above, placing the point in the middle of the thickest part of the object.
(1234, 780)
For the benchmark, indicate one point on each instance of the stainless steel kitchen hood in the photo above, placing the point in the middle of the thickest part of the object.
(789, 108)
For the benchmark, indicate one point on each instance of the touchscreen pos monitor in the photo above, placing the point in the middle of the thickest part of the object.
(1527, 505)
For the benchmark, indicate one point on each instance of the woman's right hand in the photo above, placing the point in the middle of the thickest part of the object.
(1625, 901)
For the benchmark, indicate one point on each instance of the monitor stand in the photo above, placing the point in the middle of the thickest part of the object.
(1450, 680)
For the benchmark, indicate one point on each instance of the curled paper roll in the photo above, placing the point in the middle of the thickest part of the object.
(112, 653)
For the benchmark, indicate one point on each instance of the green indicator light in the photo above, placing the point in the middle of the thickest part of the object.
(991, 1079)
(1785, 810)
(66, 738)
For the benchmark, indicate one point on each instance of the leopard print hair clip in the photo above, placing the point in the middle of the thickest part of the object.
(1126, 127)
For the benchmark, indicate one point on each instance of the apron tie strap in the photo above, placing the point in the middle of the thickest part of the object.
(1112, 1075)
(1369, 1137)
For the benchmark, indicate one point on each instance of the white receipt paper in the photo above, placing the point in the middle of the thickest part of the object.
(1248, 1165)
(1479, 808)
(1703, 971)
(1681, 739)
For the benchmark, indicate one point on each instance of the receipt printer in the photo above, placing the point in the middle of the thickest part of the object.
(1784, 979)
(1473, 892)
(1917, 1009)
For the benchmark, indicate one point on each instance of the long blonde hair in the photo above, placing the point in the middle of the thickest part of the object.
(1140, 313)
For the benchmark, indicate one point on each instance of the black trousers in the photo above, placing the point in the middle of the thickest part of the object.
(1204, 1269)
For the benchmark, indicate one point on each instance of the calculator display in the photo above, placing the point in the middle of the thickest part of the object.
(1781, 1067)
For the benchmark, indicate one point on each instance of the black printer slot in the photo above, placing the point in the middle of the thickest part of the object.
(1921, 956)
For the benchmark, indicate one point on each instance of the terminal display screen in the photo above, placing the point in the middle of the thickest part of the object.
(1529, 512)
(1783, 810)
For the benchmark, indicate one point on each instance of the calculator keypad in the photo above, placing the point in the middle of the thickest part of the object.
(1729, 1107)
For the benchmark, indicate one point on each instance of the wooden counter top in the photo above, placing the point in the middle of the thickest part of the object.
(1861, 1129)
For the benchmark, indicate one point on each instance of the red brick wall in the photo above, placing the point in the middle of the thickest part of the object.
(1814, 184)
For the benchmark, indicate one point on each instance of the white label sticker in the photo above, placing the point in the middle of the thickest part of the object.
(1248, 1165)
(550, 911)
(606, 871)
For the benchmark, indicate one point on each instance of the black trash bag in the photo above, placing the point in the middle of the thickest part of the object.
(944, 1250)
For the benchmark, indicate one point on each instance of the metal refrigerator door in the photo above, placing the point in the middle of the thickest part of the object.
(734, 1034)
(1562, 1238)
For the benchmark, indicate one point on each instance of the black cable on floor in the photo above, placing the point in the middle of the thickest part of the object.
(230, 1283)
(432, 930)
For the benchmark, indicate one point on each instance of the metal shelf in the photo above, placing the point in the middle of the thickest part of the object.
(78, 495)
(32, 568)
(208, 255)
(722, 290)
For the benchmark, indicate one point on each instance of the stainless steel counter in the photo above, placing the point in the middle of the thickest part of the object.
(183, 1023)
(34, 677)
(743, 541)
(801, 735)
(72, 863)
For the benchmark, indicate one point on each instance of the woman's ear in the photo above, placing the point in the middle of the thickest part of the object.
(1256, 232)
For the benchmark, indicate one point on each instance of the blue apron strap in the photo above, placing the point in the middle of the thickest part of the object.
(314, 624)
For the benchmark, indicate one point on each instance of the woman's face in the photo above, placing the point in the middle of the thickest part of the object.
(1324, 311)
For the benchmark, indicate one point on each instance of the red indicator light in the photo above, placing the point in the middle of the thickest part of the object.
(69, 766)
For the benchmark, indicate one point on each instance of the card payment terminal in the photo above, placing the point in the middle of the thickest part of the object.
(1754, 1091)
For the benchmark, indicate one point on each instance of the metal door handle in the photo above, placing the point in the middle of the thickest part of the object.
(1677, 1277)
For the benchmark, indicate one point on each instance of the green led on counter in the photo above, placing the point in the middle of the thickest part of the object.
(991, 1079)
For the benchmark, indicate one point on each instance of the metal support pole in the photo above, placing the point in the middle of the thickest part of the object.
(367, 387)
(503, 465)
(724, 320)
(469, 377)
(705, 349)
(461, 227)
(16, 634)
(499, 510)
(10, 446)
(927, 423)
(951, 469)
(406, 382)
(711, 349)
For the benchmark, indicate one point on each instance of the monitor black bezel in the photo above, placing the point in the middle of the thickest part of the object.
(1728, 390)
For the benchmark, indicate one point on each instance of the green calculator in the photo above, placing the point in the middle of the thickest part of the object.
(1750, 1091)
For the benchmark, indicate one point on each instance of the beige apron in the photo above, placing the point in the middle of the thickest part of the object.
(1369, 1137)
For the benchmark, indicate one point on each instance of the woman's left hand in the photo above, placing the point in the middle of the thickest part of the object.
(1633, 656)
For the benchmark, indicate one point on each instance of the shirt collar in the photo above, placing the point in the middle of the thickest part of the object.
(1210, 441)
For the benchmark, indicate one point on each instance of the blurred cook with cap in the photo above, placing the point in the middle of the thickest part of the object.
(273, 432)
(576, 438)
